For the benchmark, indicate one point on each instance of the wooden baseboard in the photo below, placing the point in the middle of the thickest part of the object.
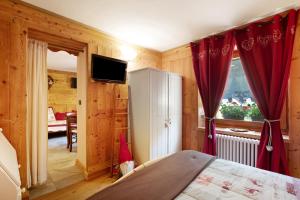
(25, 195)
(95, 174)
(81, 167)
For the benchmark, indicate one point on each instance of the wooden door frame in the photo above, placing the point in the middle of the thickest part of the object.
(57, 43)
(74, 47)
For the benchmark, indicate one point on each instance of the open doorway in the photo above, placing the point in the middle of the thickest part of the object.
(53, 164)
(62, 151)
(62, 119)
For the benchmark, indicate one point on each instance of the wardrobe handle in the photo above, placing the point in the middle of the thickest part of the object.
(166, 124)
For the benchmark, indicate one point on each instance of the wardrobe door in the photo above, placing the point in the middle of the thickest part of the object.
(139, 101)
(175, 113)
(159, 114)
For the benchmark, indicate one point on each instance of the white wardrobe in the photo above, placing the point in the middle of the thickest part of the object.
(155, 113)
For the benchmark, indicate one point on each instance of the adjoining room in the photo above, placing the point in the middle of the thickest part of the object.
(62, 124)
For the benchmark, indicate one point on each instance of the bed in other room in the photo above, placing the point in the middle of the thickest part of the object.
(56, 121)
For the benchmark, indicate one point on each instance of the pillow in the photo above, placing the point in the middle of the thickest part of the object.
(51, 116)
(60, 116)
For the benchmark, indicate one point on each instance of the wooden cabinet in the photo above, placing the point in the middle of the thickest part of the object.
(156, 113)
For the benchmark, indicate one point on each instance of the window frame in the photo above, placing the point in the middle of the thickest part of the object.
(254, 125)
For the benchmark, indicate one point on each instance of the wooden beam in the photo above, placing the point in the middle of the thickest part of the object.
(57, 43)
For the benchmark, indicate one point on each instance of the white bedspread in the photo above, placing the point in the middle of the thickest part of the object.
(228, 180)
(57, 126)
(57, 123)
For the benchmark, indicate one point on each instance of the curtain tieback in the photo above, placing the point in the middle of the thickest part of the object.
(209, 126)
(269, 147)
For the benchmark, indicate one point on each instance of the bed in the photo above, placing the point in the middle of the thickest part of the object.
(57, 126)
(191, 175)
(56, 123)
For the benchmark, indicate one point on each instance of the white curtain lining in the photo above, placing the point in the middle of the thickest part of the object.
(37, 104)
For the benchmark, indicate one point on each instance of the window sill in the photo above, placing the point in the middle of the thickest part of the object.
(247, 134)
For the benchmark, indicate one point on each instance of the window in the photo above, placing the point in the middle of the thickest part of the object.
(238, 108)
(238, 102)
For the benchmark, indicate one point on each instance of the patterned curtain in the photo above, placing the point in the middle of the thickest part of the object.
(266, 51)
(211, 60)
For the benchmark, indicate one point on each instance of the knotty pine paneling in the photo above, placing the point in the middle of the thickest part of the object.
(61, 96)
(294, 108)
(13, 86)
(4, 76)
(16, 19)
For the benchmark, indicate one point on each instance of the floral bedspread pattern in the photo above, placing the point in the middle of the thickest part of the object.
(228, 180)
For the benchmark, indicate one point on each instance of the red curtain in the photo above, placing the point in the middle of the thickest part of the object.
(211, 59)
(265, 51)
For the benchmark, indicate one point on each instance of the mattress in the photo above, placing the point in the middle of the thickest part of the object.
(229, 180)
(57, 123)
(57, 129)
(57, 126)
(216, 180)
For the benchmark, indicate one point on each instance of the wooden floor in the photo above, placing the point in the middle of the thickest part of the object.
(62, 169)
(81, 190)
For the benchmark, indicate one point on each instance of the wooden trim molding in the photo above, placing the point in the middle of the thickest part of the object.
(81, 167)
(57, 43)
(92, 174)
(89, 175)
(249, 125)
(248, 134)
(25, 195)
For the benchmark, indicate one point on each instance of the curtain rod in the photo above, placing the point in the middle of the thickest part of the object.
(277, 11)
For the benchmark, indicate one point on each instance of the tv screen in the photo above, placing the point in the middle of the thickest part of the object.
(74, 82)
(107, 69)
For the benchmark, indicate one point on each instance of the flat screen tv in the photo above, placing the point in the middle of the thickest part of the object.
(108, 70)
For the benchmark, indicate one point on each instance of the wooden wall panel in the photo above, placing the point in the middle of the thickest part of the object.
(17, 76)
(13, 85)
(294, 108)
(100, 118)
(4, 77)
(22, 18)
(61, 96)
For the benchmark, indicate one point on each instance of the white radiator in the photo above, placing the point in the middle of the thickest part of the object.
(237, 149)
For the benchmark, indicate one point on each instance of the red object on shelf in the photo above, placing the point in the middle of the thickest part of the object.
(124, 154)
